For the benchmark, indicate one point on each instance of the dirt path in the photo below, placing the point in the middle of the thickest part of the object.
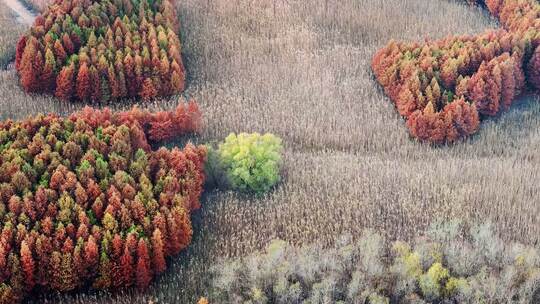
(24, 14)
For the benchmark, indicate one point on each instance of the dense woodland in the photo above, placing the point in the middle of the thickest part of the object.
(103, 51)
(443, 88)
(86, 202)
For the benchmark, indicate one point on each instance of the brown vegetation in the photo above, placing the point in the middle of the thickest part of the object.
(447, 264)
(10, 30)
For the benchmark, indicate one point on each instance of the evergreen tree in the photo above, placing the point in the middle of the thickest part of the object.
(83, 82)
(158, 254)
(104, 280)
(143, 272)
(95, 80)
(64, 83)
(29, 78)
(59, 51)
(28, 265)
(21, 46)
(48, 77)
(79, 264)
(91, 255)
(115, 88)
(68, 274)
(148, 90)
(68, 44)
(177, 82)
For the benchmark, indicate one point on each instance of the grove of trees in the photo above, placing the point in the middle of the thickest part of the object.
(444, 88)
(85, 201)
(449, 263)
(103, 51)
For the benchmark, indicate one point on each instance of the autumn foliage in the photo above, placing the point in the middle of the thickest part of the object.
(85, 201)
(444, 88)
(103, 51)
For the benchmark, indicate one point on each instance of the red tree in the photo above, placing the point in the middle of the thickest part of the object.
(83, 82)
(21, 45)
(533, 69)
(28, 265)
(64, 83)
(131, 82)
(59, 51)
(161, 127)
(126, 267)
(148, 90)
(91, 255)
(158, 253)
(117, 252)
(68, 44)
(95, 81)
(56, 270)
(29, 77)
(127, 263)
(194, 117)
(143, 272)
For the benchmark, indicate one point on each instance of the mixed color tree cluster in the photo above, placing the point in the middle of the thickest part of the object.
(86, 202)
(103, 51)
(444, 88)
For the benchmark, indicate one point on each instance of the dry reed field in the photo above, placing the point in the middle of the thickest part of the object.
(301, 70)
(36, 5)
(10, 30)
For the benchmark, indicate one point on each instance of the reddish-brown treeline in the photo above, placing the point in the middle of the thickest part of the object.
(444, 87)
(102, 51)
(152, 127)
(84, 201)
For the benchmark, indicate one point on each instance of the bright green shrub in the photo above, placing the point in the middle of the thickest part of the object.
(251, 161)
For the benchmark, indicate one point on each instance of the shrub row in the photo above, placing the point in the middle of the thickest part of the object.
(446, 265)
(103, 50)
(85, 202)
(443, 88)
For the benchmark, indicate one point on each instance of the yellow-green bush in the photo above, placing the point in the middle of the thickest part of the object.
(431, 282)
(251, 161)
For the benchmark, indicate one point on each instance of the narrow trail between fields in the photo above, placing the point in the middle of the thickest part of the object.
(24, 15)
